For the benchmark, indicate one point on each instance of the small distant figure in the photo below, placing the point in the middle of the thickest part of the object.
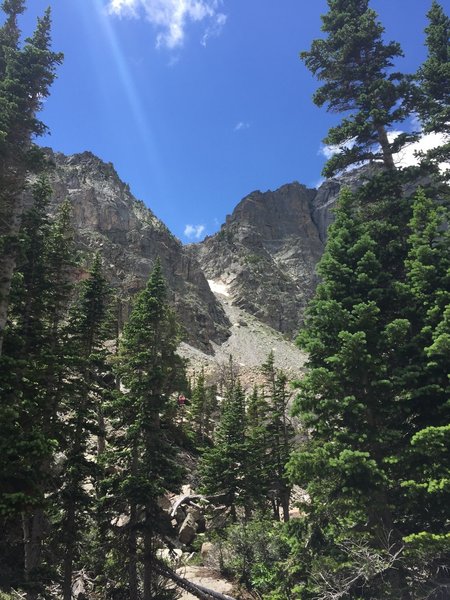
(181, 400)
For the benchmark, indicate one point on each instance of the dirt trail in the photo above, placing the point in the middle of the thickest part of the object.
(206, 577)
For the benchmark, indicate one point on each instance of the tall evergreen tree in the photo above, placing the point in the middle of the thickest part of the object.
(150, 370)
(82, 400)
(280, 436)
(428, 467)
(375, 403)
(224, 467)
(26, 74)
(432, 99)
(434, 74)
(355, 65)
(198, 407)
(259, 465)
(34, 373)
(354, 403)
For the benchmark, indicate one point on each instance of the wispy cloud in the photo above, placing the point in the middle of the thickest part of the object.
(214, 29)
(241, 125)
(194, 232)
(330, 150)
(171, 17)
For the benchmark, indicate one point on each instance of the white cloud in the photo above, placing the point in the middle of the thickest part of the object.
(194, 231)
(406, 157)
(171, 17)
(331, 150)
(241, 125)
(328, 151)
(215, 28)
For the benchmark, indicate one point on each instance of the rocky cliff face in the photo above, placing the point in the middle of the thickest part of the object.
(266, 253)
(107, 218)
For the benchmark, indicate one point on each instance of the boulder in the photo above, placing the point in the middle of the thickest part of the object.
(188, 530)
(206, 551)
(165, 503)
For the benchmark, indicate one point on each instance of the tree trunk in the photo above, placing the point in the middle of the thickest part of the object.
(69, 550)
(285, 496)
(388, 159)
(193, 588)
(132, 554)
(132, 537)
(33, 531)
(274, 503)
(148, 561)
(101, 437)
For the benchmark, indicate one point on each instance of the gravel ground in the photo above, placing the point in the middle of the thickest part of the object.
(204, 576)
(249, 345)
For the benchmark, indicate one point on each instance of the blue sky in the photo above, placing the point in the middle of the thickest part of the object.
(198, 102)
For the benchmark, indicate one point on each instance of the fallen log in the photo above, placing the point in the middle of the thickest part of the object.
(217, 498)
(196, 590)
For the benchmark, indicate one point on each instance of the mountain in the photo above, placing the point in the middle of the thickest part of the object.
(266, 254)
(107, 218)
(267, 250)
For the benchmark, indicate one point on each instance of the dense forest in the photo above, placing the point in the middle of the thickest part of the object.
(94, 417)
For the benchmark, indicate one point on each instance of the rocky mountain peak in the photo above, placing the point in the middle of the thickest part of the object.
(109, 219)
(266, 253)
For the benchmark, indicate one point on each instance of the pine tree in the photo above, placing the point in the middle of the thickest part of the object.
(259, 452)
(355, 65)
(428, 465)
(223, 467)
(434, 75)
(431, 99)
(34, 373)
(375, 404)
(150, 371)
(82, 401)
(280, 436)
(22, 442)
(26, 74)
(198, 406)
(355, 405)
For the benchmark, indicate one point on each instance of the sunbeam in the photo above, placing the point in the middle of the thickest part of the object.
(131, 92)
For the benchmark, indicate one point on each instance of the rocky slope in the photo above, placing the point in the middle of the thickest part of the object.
(267, 251)
(266, 254)
(107, 218)
(249, 344)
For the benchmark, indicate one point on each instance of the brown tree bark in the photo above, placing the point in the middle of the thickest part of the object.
(148, 561)
(388, 159)
(33, 532)
(132, 539)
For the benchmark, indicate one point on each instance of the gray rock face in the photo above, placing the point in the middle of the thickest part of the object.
(266, 254)
(188, 530)
(322, 206)
(327, 194)
(107, 218)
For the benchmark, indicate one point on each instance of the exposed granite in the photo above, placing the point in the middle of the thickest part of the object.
(107, 218)
(266, 254)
